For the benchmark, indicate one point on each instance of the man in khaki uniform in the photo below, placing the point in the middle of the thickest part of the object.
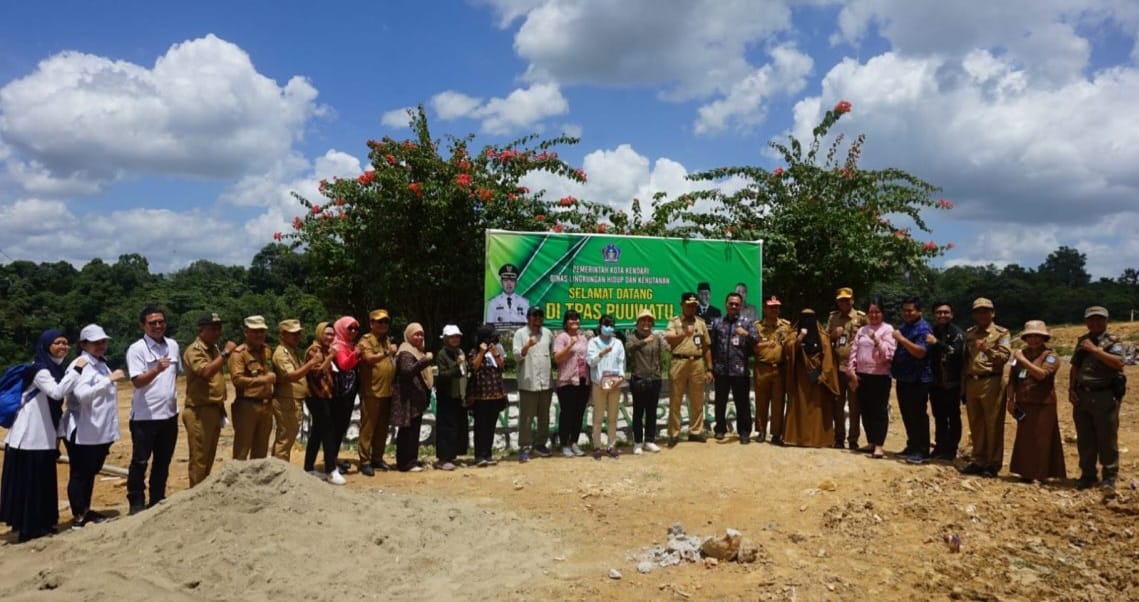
(687, 337)
(842, 324)
(773, 333)
(251, 370)
(290, 389)
(377, 374)
(205, 396)
(1095, 389)
(986, 352)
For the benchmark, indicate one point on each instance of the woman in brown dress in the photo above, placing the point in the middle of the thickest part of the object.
(812, 381)
(1038, 453)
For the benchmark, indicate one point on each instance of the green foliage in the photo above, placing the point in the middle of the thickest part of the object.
(408, 233)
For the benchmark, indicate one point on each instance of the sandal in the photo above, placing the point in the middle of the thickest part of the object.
(877, 456)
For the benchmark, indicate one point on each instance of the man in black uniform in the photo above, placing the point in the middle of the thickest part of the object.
(947, 346)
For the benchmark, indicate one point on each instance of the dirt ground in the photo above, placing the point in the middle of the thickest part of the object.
(830, 524)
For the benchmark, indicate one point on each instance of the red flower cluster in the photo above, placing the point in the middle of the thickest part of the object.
(390, 159)
(930, 246)
(581, 174)
(277, 236)
(485, 194)
(366, 178)
(540, 217)
(842, 107)
(777, 171)
(298, 223)
(339, 201)
(944, 204)
(557, 228)
(464, 165)
(316, 209)
(323, 184)
(507, 155)
(463, 180)
(602, 228)
(566, 201)
(949, 245)
(416, 188)
(902, 233)
(522, 190)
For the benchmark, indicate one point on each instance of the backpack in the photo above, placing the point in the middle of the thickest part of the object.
(12, 392)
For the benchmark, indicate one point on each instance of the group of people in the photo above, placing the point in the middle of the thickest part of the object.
(806, 376)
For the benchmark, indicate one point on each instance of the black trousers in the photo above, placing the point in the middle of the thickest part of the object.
(486, 420)
(738, 386)
(340, 413)
(874, 405)
(912, 399)
(407, 444)
(321, 435)
(150, 438)
(946, 406)
(451, 428)
(645, 405)
(572, 399)
(86, 461)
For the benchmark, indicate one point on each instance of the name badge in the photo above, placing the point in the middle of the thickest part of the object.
(1023, 373)
(698, 340)
(736, 341)
(842, 340)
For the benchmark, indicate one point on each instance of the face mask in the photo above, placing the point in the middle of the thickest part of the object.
(608, 331)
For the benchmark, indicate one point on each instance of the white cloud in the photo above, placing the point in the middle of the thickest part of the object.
(744, 103)
(452, 105)
(572, 130)
(397, 118)
(80, 121)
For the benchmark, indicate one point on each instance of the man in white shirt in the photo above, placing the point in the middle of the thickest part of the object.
(532, 346)
(153, 364)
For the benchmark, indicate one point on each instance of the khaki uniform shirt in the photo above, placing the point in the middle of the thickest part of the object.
(285, 360)
(376, 379)
(246, 371)
(850, 324)
(201, 391)
(779, 333)
(992, 361)
(694, 344)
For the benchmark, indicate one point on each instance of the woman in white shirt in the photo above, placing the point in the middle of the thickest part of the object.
(90, 423)
(29, 498)
(605, 355)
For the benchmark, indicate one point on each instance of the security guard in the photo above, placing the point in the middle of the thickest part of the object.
(506, 308)
(689, 369)
(290, 389)
(251, 370)
(205, 395)
(842, 324)
(773, 333)
(986, 352)
(377, 375)
(1096, 387)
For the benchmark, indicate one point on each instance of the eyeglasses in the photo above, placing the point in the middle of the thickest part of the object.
(156, 323)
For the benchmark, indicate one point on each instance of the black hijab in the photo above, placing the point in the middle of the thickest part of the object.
(811, 343)
(43, 359)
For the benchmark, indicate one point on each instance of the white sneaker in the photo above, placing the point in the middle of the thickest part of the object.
(317, 474)
(637, 450)
(415, 469)
(576, 450)
(653, 447)
(335, 478)
(567, 452)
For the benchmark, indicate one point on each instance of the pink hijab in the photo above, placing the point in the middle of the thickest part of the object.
(346, 356)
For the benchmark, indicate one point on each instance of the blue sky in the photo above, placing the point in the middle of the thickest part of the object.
(178, 130)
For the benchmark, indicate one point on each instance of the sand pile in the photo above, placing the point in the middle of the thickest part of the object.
(264, 530)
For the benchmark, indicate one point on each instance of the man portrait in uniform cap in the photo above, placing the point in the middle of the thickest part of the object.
(507, 308)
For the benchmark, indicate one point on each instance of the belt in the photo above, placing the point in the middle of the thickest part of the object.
(254, 399)
(759, 363)
(685, 357)
(985, 375)
(1090, 389)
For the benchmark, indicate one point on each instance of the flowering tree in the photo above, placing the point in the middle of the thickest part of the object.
(825, 222)
(408, 233)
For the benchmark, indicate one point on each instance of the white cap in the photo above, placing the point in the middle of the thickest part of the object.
(92, 333)
(451, 330)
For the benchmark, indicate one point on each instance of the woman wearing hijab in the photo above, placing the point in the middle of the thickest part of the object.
(1038, 453)
(345, 369)
(451, 426)
(90, 422)
(868, 372)
(29, 498)
(485, 392)
(411, 396)
(321, 434)
(812, 380)
(606, 358)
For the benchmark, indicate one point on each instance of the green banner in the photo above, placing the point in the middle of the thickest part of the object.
(617, 275)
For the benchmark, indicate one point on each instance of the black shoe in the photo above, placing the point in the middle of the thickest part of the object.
(745, 439)
(719, 436)
(852, 445)
(906, 451)
(135, 509)
(1107, 484)
(698, 437)
(366, 470)
(838, 445)
(945, 456)
(672, 441)
(541, 451)
(759, 438)
(382, 466)
(1086, 482)
(916, 459)
(343, 467)
(971, 469)
(777, 440)
(989, 473)
(78, 523)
